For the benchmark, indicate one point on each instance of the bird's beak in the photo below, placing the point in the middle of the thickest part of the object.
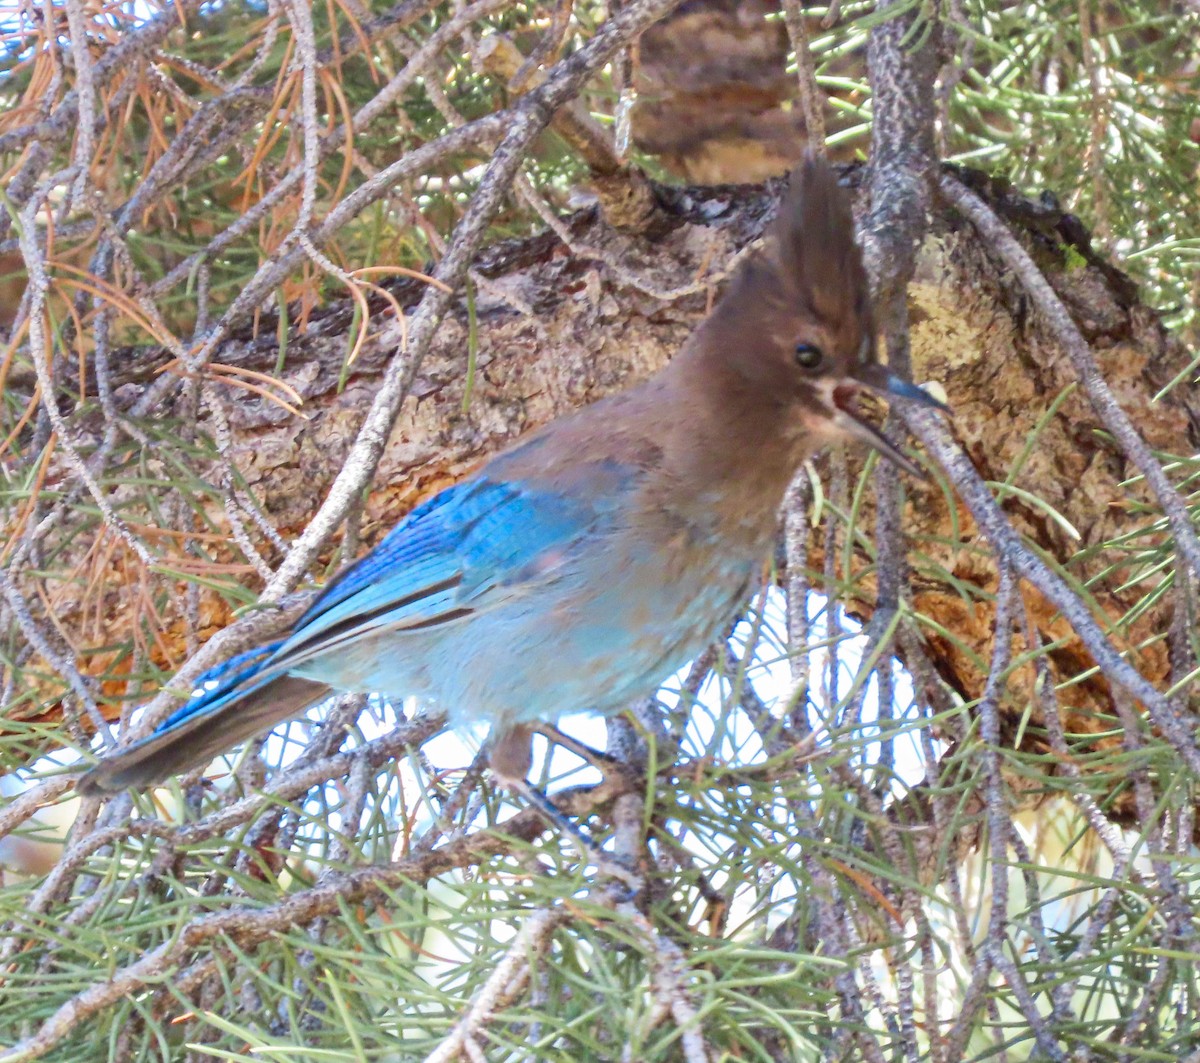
(875, 377)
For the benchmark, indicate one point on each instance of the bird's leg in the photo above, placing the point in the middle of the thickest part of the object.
(617, 776)
(510, 757)
(510, 753)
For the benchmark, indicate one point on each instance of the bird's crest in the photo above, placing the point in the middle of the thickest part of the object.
(811, 249)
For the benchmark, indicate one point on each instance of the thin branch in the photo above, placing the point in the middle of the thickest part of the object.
(812, 101)
(504, 984)
(1058, 320)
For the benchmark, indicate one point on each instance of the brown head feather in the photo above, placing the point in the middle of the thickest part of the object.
(811, 245)
(775, 370)
(805, 287)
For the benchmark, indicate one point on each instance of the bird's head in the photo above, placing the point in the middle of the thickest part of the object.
(796, 326)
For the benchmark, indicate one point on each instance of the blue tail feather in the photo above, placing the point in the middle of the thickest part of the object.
(250, 698)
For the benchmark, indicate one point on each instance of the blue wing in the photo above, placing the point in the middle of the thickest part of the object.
(441, 562)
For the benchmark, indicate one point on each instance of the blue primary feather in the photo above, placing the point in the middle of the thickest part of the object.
(422, 532)
(229, 675)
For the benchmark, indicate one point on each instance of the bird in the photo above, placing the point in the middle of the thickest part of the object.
(596, 556)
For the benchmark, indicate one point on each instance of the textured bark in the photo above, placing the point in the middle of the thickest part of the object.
(973, 331)
(716, 102)
(554, 331)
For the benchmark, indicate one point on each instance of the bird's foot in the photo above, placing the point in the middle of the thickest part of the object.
(510, 758)
(606, 863)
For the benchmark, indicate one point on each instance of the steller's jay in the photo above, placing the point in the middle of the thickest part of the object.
(582, 566)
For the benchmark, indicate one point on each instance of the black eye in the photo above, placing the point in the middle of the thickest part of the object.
(809, 356)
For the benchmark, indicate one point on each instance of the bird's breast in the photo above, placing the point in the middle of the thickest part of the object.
(614, 619)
